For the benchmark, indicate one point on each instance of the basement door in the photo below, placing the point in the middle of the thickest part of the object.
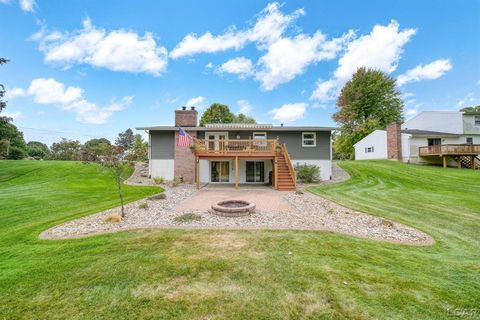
(220, 171)
(255, 171)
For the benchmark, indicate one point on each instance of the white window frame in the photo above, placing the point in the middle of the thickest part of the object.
(259, 135)
(314, 140)
(475, 120)
(466, 140)
(369, 149)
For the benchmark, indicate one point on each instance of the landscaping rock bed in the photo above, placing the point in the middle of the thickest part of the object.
(308, 212)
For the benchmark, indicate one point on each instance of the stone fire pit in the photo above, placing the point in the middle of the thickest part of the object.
(233, 208)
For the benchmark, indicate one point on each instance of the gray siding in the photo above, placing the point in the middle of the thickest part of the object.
(162, 144)
(293, 140)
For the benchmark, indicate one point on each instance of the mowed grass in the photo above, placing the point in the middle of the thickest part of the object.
(214, 274)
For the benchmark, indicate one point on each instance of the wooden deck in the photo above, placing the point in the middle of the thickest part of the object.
(222, 148)
(450, 150)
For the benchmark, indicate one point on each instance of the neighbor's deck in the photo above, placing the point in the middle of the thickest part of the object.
(450, 150)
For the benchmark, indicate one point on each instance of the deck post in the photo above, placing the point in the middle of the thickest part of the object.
(236, 172)
(197, 172)
(473, 162)
(275, 173)
(459, 162)
(444, 161)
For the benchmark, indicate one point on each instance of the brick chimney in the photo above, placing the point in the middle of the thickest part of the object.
(184, 159)
(185, 117)
(394, 141)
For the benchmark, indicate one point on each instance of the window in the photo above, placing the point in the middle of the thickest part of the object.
(309, 139)
(260, 136)
(369, 150)
(469, 140)
(477, 120)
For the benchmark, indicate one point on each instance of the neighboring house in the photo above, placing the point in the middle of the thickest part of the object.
(451, 138)
(237, 153)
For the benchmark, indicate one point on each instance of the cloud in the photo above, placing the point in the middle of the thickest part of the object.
(430, 71)
(287, 58)
(195, 101)
(241, 66)
(466, 101)
(14, 115)
(245, 107)
(381, 49)
(14, 93)
(269, 26)
(27, 5)
(49, 91)
(289, 112)
(117, 50)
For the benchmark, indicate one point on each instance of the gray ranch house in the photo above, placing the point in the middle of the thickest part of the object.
(236, 153)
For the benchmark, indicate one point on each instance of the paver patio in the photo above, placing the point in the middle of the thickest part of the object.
(266, 198)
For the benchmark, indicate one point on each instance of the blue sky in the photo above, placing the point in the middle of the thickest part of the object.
(83, 69)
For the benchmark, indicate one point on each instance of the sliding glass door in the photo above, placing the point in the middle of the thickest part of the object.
(255, 171)
(220, 171)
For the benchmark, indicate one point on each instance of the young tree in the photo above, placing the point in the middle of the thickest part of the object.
(119, 169)
(367, 102)
(125, 139)
(217, 113)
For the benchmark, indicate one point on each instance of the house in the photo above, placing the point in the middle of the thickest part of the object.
(237, 153)
(448, 138)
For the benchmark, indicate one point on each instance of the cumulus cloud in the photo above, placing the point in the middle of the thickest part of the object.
(381, 49)
(245, 107)
(287, 58)
(14, 93)
(289, 112)
(51, 92)
(241, 66)
(430, 71)
(269, 26)
(13, 115)
(117, 50)
(27, 5)
(466, 101)
(195, 101)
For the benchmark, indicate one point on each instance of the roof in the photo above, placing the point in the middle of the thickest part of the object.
(238, 127)
(417, 132)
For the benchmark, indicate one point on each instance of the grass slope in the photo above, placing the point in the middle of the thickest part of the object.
(198, 274)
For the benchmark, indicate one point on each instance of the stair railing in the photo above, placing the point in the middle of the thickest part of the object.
(289, 164)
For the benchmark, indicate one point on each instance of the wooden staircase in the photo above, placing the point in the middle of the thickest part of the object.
(286, 173)
(466, 162)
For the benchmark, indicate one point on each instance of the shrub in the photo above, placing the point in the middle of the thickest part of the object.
(187, 217)
(176, 181)
(307, 173)
(113, 218)
(159, 180)
(143, 205)
(159, 196)
(16, 153)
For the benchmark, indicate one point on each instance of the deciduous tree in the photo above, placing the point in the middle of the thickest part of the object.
(367, 102)
(217, 113)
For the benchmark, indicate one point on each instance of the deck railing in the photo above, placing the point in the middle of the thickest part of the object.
(286, 155)
(235, 146)
(450, 149)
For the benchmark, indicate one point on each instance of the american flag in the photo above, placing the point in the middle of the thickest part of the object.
(183, 139)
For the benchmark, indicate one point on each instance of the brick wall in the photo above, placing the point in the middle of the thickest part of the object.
(394, 141)
(184, 165)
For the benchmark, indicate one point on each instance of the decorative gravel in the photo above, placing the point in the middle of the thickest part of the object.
(310, 212)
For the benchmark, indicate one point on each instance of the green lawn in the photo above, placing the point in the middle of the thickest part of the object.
(201, 274)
